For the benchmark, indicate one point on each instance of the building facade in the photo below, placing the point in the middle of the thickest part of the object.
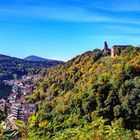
(117, 49)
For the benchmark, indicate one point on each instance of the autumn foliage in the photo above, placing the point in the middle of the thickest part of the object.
(91, 97)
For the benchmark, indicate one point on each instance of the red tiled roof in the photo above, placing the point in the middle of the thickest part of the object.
(16, 102)
(1, 107)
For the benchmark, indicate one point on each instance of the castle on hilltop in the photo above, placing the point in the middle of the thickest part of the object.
(115, 50)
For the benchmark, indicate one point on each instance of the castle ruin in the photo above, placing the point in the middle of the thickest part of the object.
(115, 50)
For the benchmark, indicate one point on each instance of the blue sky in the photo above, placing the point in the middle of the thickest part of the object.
(62, 29)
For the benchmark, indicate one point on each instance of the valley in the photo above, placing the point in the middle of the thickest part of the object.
(15, 107)
(69, 70)
(92, 96)
(15, 68)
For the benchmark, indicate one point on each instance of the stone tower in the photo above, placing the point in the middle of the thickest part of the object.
(106, 51)
(106, 46)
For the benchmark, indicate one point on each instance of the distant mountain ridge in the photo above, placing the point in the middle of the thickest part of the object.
(12, 65)
(36, 58)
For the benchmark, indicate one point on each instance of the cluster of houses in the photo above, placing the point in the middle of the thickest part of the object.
(2, 104)
(17, 107)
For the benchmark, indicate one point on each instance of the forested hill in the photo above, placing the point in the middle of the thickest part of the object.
(11, 66)
(90, 97)
(36, 58)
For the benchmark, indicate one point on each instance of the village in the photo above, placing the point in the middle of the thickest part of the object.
(16, 105)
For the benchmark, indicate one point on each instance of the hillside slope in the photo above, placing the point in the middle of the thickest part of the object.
(75, 99)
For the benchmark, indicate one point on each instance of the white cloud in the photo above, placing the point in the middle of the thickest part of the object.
(123, 29)
(60, 13)
(68, 13)
(115, 5)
